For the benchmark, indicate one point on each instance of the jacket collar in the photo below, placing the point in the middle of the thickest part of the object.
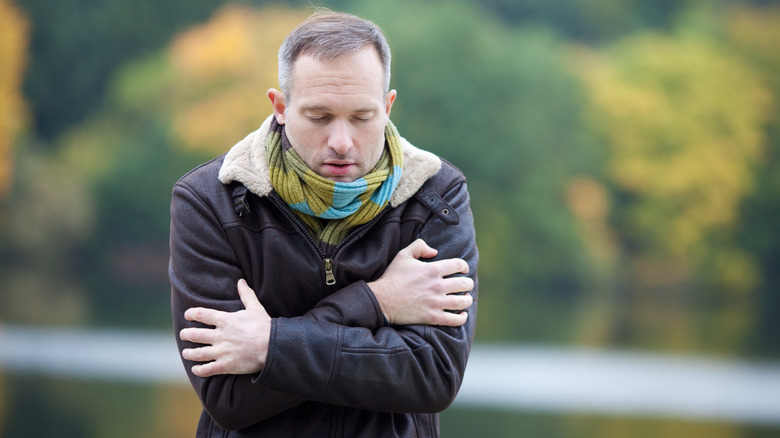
(245, 162)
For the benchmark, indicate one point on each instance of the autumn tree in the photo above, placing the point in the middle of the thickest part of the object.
(498, 102)
(754, 32)
(682, 123)
(100, 231)
(213, 77)
(13, 46)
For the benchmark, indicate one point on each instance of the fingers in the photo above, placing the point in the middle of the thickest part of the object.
(420, 250)
(208, 369)
(236, 342)
(215, 317)
(454, 312)
(248, 296)
(206, 316)
(200, 354)
(457, 302)
(457, 284)
(449, 319)
(198, 335)
(451, 266)
(213, 363)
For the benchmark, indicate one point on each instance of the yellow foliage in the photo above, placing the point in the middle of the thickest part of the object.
(590, 203)
(3, 402)
(13, 45)
(683, 122)
(633, 426)
(757, 30)
(587, 199)
(219, 120)
(224, 68)
(175, 407)
(737, 270)
(216, 48)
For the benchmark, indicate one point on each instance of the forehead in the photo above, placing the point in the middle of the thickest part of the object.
(348, 78)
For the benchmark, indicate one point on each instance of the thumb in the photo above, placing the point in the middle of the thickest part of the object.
(248, 296)
(420, 250)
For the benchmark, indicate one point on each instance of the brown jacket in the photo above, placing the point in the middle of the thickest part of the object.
(334, 367)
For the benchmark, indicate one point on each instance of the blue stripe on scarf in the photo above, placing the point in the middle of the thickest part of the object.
(345, 193)
(382, 194)
(303, 207)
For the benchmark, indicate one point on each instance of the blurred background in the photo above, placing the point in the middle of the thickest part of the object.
(623, 158)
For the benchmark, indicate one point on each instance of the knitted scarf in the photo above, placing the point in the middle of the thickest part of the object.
(331, 209)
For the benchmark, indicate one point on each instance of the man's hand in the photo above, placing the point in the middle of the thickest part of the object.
(412, 291)
(238, 343)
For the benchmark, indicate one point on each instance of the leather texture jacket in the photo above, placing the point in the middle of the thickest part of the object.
(335, 368)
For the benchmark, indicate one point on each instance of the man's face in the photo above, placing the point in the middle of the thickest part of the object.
(337, 113)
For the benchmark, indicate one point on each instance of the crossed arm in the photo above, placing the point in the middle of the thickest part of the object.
(341, 337)
(411, 291)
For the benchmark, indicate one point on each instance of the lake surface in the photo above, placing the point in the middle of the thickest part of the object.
(89, 382)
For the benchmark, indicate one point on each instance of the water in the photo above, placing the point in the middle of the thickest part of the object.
(88, 382)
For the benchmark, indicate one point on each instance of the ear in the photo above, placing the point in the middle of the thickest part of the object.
(389, 99)
(278, 104)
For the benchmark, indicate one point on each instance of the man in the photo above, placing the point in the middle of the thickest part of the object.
(323, 271)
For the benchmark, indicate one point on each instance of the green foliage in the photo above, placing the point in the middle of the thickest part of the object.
(78, 45)
(590, 20)
(647, 220)
(754, 33)
(71, 408)
(623, 159)
(488, 423)
(13, 44)
(684, 121)
(497, 102)
(47, 217)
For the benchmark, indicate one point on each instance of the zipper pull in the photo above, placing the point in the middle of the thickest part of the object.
(330, 279)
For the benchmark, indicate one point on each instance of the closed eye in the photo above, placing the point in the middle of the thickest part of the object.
(318, 118)
(363, 118)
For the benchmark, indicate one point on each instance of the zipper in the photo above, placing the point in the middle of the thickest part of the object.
(330, 277)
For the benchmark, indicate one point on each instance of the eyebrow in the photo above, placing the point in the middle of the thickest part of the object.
(327, 109)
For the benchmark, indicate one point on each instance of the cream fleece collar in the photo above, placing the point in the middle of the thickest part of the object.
(246, 163)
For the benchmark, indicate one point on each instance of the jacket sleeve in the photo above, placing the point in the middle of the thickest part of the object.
(412, 368)
(199, 249)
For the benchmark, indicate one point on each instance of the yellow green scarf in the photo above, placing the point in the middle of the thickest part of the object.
(331, 209)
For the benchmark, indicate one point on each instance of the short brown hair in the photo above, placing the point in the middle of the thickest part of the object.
(327, 35)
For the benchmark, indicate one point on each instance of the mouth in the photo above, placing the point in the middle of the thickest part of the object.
(338, 167)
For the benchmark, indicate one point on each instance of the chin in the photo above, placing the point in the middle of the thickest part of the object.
(343, 179)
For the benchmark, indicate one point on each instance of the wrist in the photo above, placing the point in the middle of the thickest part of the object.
(378, 289)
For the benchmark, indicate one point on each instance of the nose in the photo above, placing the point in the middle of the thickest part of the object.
(340, 137)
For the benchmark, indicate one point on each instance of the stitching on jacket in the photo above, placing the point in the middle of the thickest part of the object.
(394, 350)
